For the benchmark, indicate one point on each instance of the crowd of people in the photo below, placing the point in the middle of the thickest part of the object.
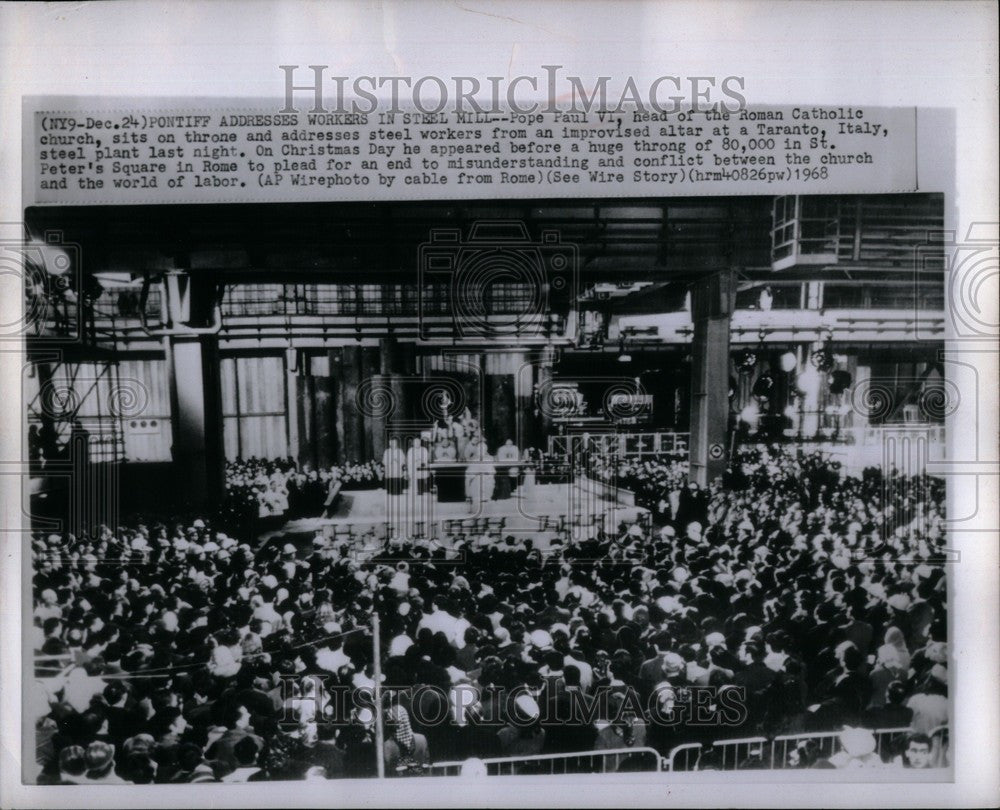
(658, 482)
(794, 599)
(258, 489)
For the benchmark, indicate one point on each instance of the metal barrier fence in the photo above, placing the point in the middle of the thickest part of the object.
(731, 753)
(685, 757)
(611, 761)
(761, 752)
(827, 744)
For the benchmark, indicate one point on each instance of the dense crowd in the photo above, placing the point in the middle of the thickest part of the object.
(794, 600)
(257, 489)
(658, 482)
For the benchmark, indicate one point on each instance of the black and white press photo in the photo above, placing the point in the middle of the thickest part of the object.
(498, 404)
(497, 487)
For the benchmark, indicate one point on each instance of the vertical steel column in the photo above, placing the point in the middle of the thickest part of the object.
(711, 308)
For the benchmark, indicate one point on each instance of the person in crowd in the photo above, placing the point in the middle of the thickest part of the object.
(334, 485)
(416, 467)
(405, 750)
(480, 480)
(100, 760)
(523, 735)
(357, 740)
(917, 753)
(444, 450)
(892, 663)
(72, 767)
(178, 638)
(36, 451)
(625, 727)
(892, 713)
(857, 750)
(529, 477)
(276, 495)
(803, 755)
(460, 436)
(245, 755)
(260, 492)
(393, 462)
(507, 454)
(929, 703)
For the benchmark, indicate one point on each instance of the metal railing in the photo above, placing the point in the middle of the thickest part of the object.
(828, 744)
(122, 305)
(685, 757)
(610, 761)
(774, 753)
(732, 752)
(624, 445)
(877, 434)
(376, 300)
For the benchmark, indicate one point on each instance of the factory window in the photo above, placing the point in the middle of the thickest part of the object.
(804, 231)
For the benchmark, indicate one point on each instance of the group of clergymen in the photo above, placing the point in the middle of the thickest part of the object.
(455, 440)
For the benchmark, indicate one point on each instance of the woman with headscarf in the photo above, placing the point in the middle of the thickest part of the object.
(894, 651)
(405, 751)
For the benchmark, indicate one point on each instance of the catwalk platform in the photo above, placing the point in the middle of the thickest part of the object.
(543, 510)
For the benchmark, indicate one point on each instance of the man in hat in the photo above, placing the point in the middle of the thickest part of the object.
(857, 750)
(100, 759)
(665, 665)
(72, 766)
(523, 736)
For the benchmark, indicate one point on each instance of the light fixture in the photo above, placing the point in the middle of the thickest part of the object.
(746, 361)
(809, 381)
(763, 385)
(840, 381)
(822, 359)
(751, 415)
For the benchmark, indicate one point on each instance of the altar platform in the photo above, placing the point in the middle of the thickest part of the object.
(544, 511)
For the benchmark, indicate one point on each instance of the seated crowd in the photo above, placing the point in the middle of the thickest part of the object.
(798, 600)
(257, 488)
